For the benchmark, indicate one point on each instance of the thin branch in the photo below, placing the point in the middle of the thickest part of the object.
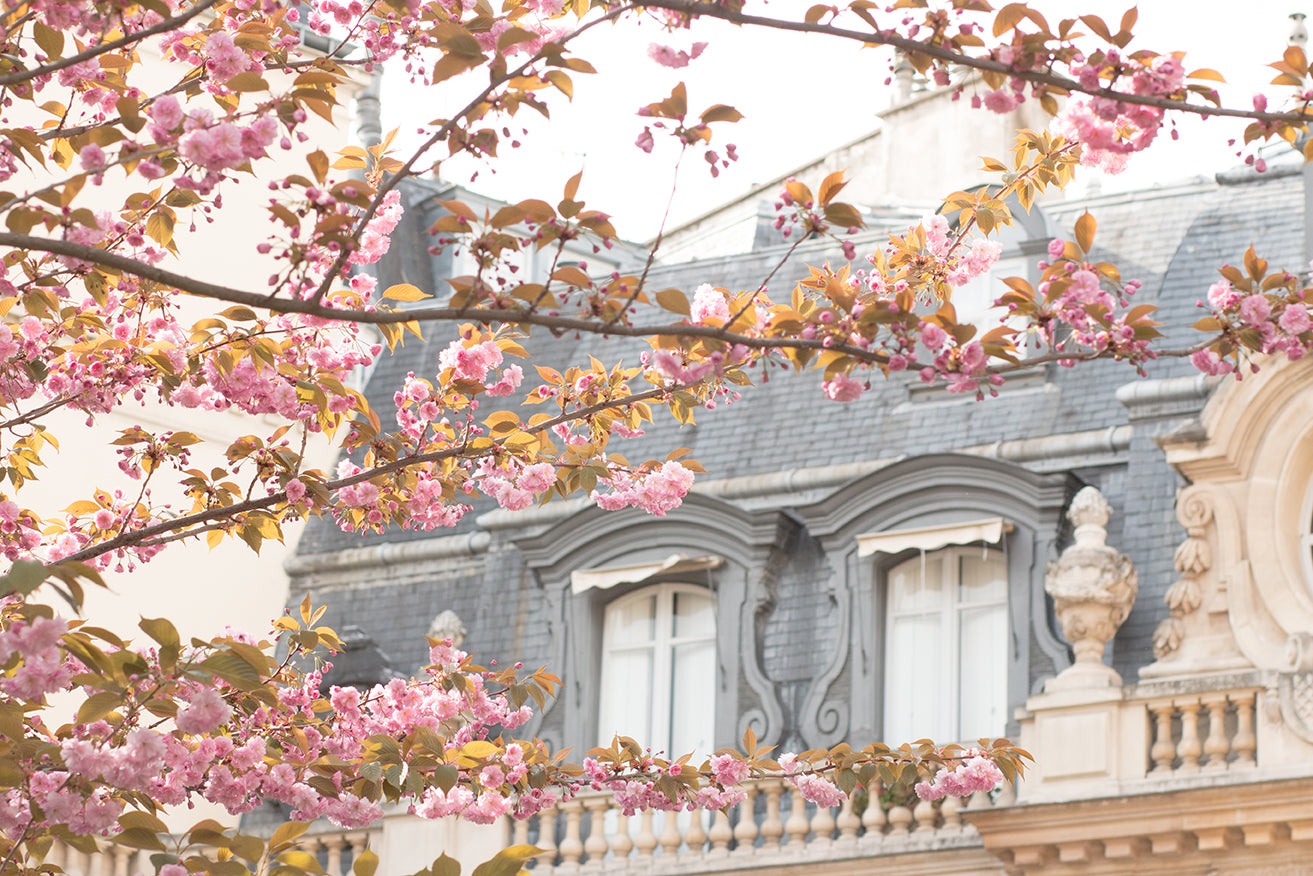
(906, 44)
(38, 412)
(510, 316)
(215, 518)
(656, 244)
(438, 136)
(136, 36)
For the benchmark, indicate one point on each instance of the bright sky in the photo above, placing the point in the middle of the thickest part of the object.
(800, 96)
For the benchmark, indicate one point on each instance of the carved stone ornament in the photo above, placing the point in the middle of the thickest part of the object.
(1093, 588)
(1294, 687)
(448, 625)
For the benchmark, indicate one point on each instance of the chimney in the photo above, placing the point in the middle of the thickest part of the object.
(903, 73)
(1298, 32)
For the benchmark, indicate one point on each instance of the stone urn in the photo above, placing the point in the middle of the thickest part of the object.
(1093, 588)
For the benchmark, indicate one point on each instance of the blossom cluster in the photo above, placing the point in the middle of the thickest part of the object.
(975, 773)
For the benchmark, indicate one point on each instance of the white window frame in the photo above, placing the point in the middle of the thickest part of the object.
(662, 645)
(950, 612)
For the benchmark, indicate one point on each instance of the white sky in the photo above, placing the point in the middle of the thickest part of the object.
(801, 95)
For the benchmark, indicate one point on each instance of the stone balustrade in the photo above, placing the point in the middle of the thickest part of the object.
(336, 850)
(1208, 731)
(1161, 733)
(773, 825)
(109, 860)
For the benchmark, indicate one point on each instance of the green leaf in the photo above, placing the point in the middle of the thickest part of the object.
(161, 630)
(232, 669)
(446, 776)
(98, 706)
(300, 860)
(139, 838)
(287, 832)
(23, 576)
(367, 862)
(445, 866)
(508, 862)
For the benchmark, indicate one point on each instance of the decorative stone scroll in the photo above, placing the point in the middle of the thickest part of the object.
(1093, 588)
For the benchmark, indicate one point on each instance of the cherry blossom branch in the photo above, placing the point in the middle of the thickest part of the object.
(136, 36)
(38, 412)
(408, 168)
(694, 8)
(510, 316)
(214, 518)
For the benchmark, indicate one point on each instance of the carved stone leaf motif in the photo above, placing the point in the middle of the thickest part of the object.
(1167, 637)
(1184, 596)
(1193, 556)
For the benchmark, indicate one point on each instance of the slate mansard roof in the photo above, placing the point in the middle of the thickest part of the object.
(784, 464)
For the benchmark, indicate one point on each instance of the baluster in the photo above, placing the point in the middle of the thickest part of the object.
(980, 800)
(621, 843)
(900, 818)
(547, 836)
(1245, 742)
(1216, 746)
(572, 847)
(924, 813)
(519, 831)
(796, 825)
(848, 822)
(334, 845)
(596, 845)
(122, 858)
(951, 812)
(647, 840)
(745, 832)
(771, 826)
(822, 827)
(96, 862)
(357, 842)
(57, 855)
(1190, 748)
(1007, 793)
(1164, 750)
(873, 819)
(670, 838)
(696, 835)
(720, 834)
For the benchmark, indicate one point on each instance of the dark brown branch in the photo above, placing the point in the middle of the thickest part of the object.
(211, 518)
(906, 44)
(164, 26)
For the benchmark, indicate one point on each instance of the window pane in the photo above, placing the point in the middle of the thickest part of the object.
(626, 701)
(694, 615)
(982, 579)
(629, 621)
(915, 679)
(692, 698)
(983, 672)
(910, 590)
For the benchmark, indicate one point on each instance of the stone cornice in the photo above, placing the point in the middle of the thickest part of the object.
(1203, 830)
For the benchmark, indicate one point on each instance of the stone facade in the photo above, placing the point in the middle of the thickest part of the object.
(1184, 746)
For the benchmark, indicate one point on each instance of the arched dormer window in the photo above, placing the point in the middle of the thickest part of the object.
(658, 668)
(946, 646)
